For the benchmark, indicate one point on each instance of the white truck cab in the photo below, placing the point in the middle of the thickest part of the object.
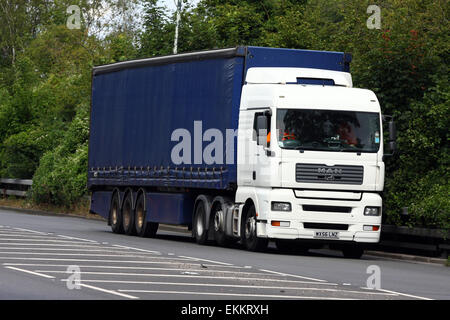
(310, 158)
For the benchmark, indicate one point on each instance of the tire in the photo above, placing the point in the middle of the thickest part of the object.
(143, 228)
(115, 214)
(128, 215)
(199, 230)
(353, 252)
(248, 233)
(218, 224)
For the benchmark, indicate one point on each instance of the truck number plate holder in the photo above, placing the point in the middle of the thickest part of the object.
(326, 234)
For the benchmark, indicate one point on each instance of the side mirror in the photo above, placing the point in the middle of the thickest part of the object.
(392, 131)
(393, 146)
(392, 136)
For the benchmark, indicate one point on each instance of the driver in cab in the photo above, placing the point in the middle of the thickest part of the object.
(346, 132)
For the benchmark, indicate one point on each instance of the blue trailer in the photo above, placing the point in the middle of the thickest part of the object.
(141, 109)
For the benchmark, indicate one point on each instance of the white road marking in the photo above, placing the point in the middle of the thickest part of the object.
(404, 294)
(24, 236)
(237, 286)
(75, 238)
(213, 261)
(117, 250)
(90, 260)
(177, 269)
(32, 231)
(133, 268)
(31, 272)
(6, 232)
(137, 249)
(83, 245)
(178, 276)
(128, 255)
(232, 294)
(181, 264)
(108, 291)
(44, 240)
(292, 275)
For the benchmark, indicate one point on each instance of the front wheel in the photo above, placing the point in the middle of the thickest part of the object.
(249, 236)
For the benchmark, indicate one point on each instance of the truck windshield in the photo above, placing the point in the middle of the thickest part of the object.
(328, 130)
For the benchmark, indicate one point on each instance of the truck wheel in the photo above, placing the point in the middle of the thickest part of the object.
(248, 233)
(128, 215)
(218, 224)
(143, 228)
(115, 216)
(353, 252)
(199, 230)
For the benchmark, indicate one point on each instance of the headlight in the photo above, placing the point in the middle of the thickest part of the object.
(372, 211)
(281, 206)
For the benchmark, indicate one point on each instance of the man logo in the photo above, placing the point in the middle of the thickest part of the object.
(330, 174)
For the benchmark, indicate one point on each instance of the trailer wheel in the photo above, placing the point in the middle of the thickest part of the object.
(115, 215)
(199, 229)
(143, 228)
(248, 233)
(128, 215)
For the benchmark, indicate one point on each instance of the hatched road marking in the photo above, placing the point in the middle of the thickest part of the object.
(47, 256)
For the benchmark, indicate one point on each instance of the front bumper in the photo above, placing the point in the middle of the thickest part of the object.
(300, 220)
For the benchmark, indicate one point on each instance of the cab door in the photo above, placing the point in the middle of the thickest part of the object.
(262, 155)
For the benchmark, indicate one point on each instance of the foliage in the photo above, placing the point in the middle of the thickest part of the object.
(61, 177)
(45, 74)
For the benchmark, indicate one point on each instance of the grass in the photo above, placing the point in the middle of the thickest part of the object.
(448, 261)
(79, 209)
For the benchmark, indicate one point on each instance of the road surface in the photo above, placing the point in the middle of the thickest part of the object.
(59, 257)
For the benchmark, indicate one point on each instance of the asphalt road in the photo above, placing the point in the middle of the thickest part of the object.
(58, 257)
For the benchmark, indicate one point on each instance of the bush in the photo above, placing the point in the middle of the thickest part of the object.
(20, 153)
(61, 177)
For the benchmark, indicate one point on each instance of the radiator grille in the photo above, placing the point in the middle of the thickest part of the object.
(325, 226)
(320, 173)
(308, 207)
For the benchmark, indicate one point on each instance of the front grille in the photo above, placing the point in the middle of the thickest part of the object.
(325, 226)
(307, 207)
(320, 173)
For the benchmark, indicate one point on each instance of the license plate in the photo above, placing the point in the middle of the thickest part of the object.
(326, 234)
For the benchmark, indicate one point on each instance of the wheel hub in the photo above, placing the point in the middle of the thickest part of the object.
(140, 217)
(218, 220)
(250, 227)
(199, 225)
